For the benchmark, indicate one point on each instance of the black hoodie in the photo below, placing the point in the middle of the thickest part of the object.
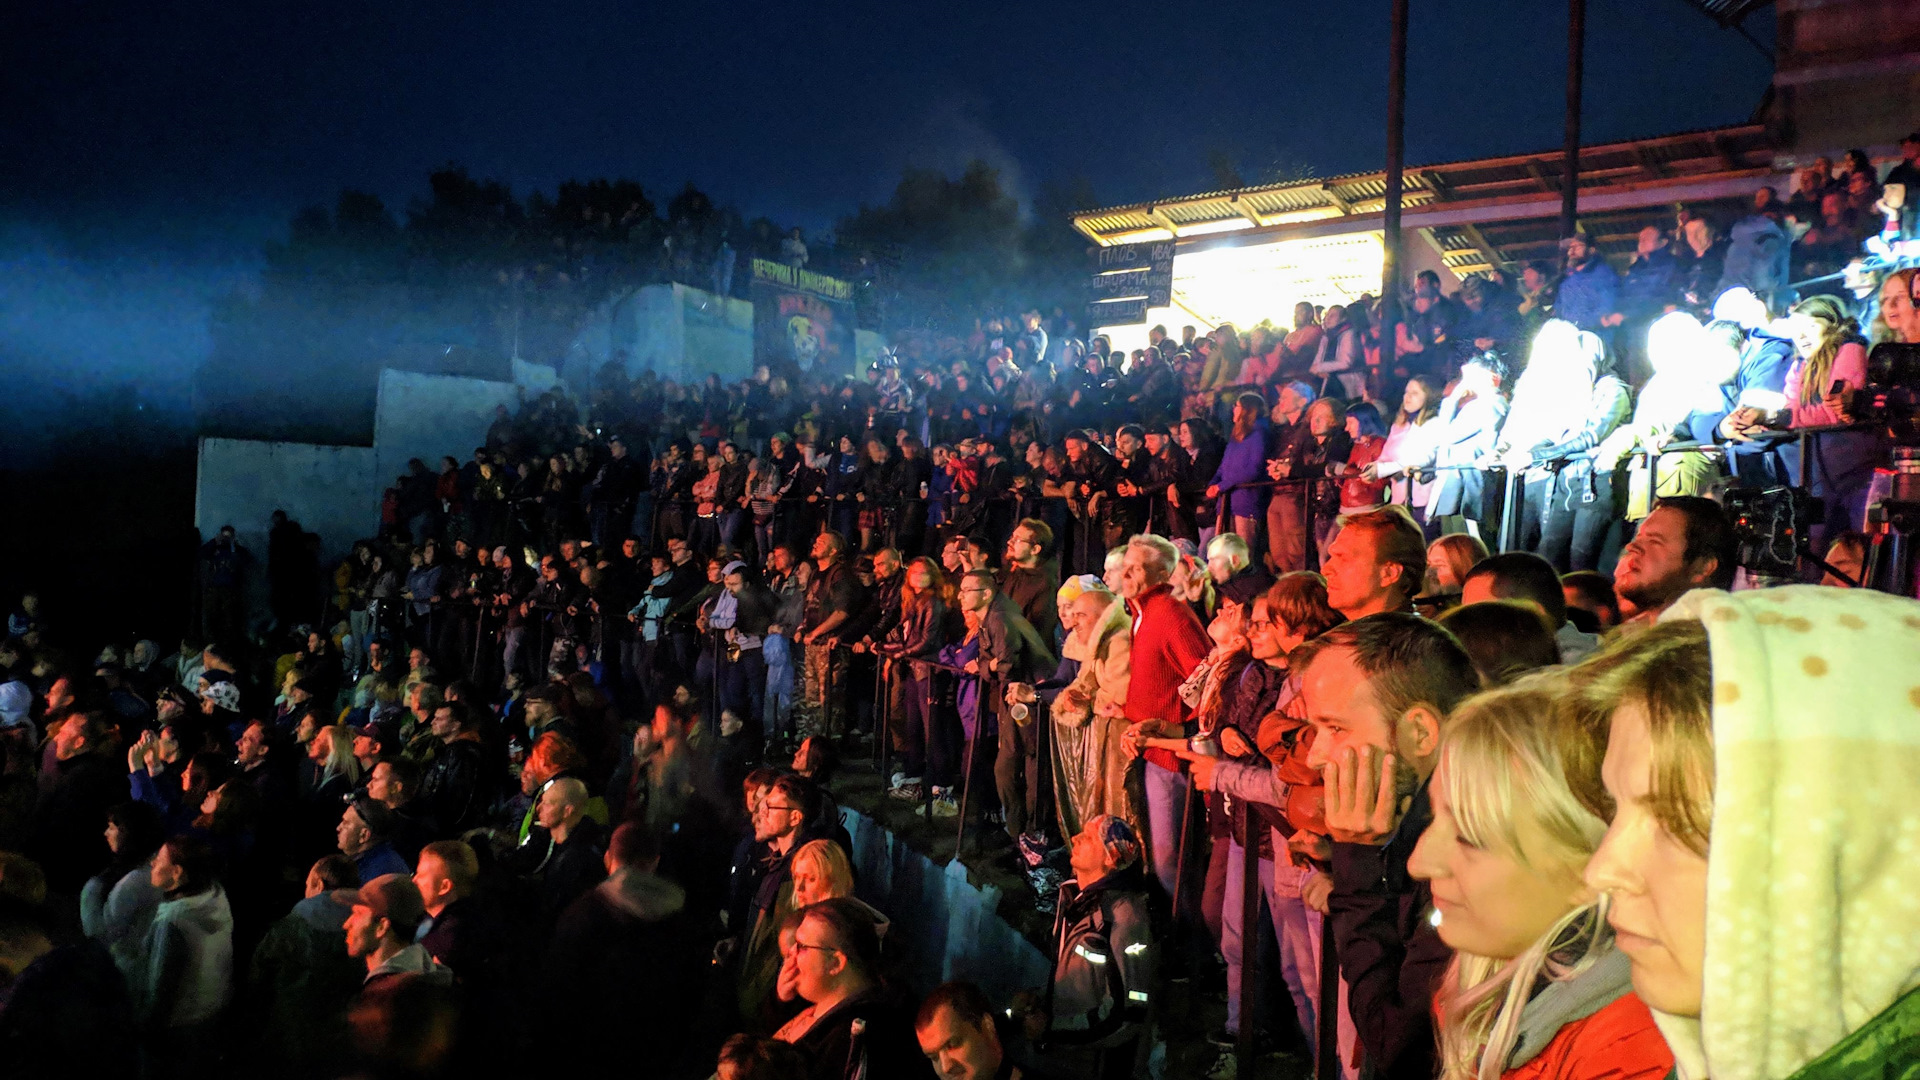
(623, 970)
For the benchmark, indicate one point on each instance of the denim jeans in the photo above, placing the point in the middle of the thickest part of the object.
(1297, 929)
(512, 640)
(1166, 809)
(777, 652)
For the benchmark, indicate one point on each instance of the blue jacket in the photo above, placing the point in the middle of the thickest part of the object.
(1756, 256)
(1588, 295)
(1651, 283)
(380, 859)
(1764, 362)
(1245, 461)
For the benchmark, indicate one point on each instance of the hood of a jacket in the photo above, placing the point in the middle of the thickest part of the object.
(1810, 899)
(414, 960)
(1604, 981)
(881, 924)
(647, 897)
(205, 913)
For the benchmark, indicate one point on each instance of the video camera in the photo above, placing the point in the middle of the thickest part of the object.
(1891, 397)
(1770, 527)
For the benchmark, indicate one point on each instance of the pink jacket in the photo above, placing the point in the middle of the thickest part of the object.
(1849, 366)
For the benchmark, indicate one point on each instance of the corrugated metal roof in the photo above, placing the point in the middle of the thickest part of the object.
(1672, 154)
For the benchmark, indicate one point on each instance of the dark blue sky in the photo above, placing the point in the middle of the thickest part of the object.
(153, 144)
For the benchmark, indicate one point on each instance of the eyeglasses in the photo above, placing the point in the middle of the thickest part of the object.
(802, 946)
(776, 806)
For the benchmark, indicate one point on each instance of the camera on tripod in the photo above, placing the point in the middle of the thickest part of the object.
(1770, 527)
(1891, 397)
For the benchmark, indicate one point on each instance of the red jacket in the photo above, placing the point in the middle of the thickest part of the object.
(1617, 1043)
(1168, 643)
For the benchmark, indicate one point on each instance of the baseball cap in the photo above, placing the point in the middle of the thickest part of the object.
(379, 819)
(395, 898)
(223, 694)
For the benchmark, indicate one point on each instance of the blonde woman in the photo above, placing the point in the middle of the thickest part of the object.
(1068, 721)
(1898, 320)
(336, 772)
(820, 871)
(1536, 988)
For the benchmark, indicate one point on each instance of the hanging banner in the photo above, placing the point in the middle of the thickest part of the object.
(802, 321)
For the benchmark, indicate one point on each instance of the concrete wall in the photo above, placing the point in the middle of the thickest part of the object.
(431, 416)
(678, 331)
(335, 490)
(681, 332)
(718, 334)
(329, 490)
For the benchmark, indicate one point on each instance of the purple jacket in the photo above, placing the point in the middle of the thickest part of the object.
(1245, 461)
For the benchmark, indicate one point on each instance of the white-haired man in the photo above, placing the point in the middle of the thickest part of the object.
(1168, 643)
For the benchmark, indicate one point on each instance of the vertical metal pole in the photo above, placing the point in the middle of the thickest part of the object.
(1326, 1064)
(1570, 164)
(1250, 897)
(1396, 168)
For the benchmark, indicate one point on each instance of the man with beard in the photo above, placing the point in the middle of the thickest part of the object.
(1127, 510)
(1085, 484)
(1165, 469)
(1030, 579)
(1686, 543)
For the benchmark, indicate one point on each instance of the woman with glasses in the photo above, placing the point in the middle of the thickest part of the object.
(853, 1025)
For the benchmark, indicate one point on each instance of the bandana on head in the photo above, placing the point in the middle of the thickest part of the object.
(224, 695)
(1123, 847)
(1074, 587)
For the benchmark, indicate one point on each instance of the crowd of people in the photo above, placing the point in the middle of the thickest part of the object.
(1217, 642)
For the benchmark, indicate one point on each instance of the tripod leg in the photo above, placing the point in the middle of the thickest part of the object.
(966, 785)
(926, 746)
(883, 709)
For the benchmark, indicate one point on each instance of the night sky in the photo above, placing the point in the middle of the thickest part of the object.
(151, 146)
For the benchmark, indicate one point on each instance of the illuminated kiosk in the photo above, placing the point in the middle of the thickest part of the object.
(1251, 254)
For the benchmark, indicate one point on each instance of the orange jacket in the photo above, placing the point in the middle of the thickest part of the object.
(1617, 1043)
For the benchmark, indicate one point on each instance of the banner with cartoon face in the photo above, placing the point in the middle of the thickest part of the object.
(802, 321)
